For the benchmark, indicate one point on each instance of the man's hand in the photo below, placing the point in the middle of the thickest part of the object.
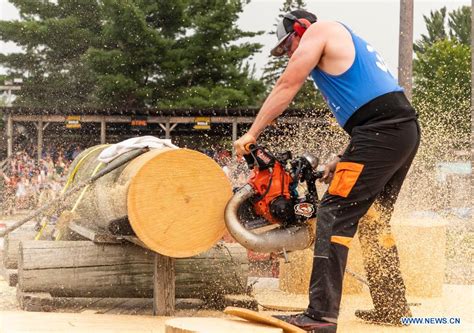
(241, 145)
(329, 169)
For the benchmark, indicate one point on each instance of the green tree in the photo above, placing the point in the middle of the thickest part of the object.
(133, 49)
(53, 36)
(442, 95)
(132, 53)
(308, 97)
(459, 23)
(442, 80)
(457, 27)
(209, 65)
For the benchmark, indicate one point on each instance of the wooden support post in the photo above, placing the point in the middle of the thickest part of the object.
(163, 286)
(472, 103)
(167, 130)
(405, 53)
(234, 133)
(40, 140)
(9, 135)
(234, 130)
(103, 129)
(167, 127)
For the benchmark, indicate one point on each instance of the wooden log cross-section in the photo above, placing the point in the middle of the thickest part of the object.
(87, 269)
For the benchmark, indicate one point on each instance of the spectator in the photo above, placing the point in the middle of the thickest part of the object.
(25, 179)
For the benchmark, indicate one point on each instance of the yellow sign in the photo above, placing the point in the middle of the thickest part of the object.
(202, 123)
(73, 122)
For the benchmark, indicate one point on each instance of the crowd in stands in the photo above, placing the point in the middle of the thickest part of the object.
(26, 183)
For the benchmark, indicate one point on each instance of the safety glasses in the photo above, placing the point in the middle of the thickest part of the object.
(288, 42)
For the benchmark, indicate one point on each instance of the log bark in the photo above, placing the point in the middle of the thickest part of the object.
(173, 200)
(85, 269)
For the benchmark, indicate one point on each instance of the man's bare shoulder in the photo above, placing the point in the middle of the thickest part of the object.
(322, 28)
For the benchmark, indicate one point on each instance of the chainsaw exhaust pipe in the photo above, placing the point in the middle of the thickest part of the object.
(275, 240)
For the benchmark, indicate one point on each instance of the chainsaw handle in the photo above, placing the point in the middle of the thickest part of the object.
(249, 147)
(249, 158)
(318, 174)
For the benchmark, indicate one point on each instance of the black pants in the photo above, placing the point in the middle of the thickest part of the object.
(372, 170)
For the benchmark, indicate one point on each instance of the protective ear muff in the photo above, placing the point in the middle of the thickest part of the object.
(300, 26)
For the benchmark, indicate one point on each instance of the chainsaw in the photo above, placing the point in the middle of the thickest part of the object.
(280, 191)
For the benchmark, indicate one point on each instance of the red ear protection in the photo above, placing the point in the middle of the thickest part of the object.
(300, 24)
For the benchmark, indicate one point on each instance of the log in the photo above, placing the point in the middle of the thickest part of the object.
(10, 245)
(44, 302)
(86, 269)
(215, 325)
(11, 276)
(163, 197)
(421, 244)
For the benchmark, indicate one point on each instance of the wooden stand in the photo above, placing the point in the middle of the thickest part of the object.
(127, 271)
(163, 286)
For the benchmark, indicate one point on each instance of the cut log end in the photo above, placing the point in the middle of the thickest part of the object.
(176, 201)
(215, 325)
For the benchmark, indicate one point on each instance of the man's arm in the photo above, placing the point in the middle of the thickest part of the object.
(305, 58)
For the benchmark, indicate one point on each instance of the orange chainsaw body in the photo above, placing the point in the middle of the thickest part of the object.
(269, 183)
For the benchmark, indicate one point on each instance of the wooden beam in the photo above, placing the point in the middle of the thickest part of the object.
(40, 140)
(103, 130)
(167, 130)
(234, 130)
(9, 135)
(163, 286)
(167, 127)
(151, 120)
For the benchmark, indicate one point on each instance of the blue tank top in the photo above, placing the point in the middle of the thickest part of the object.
(367, 78)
